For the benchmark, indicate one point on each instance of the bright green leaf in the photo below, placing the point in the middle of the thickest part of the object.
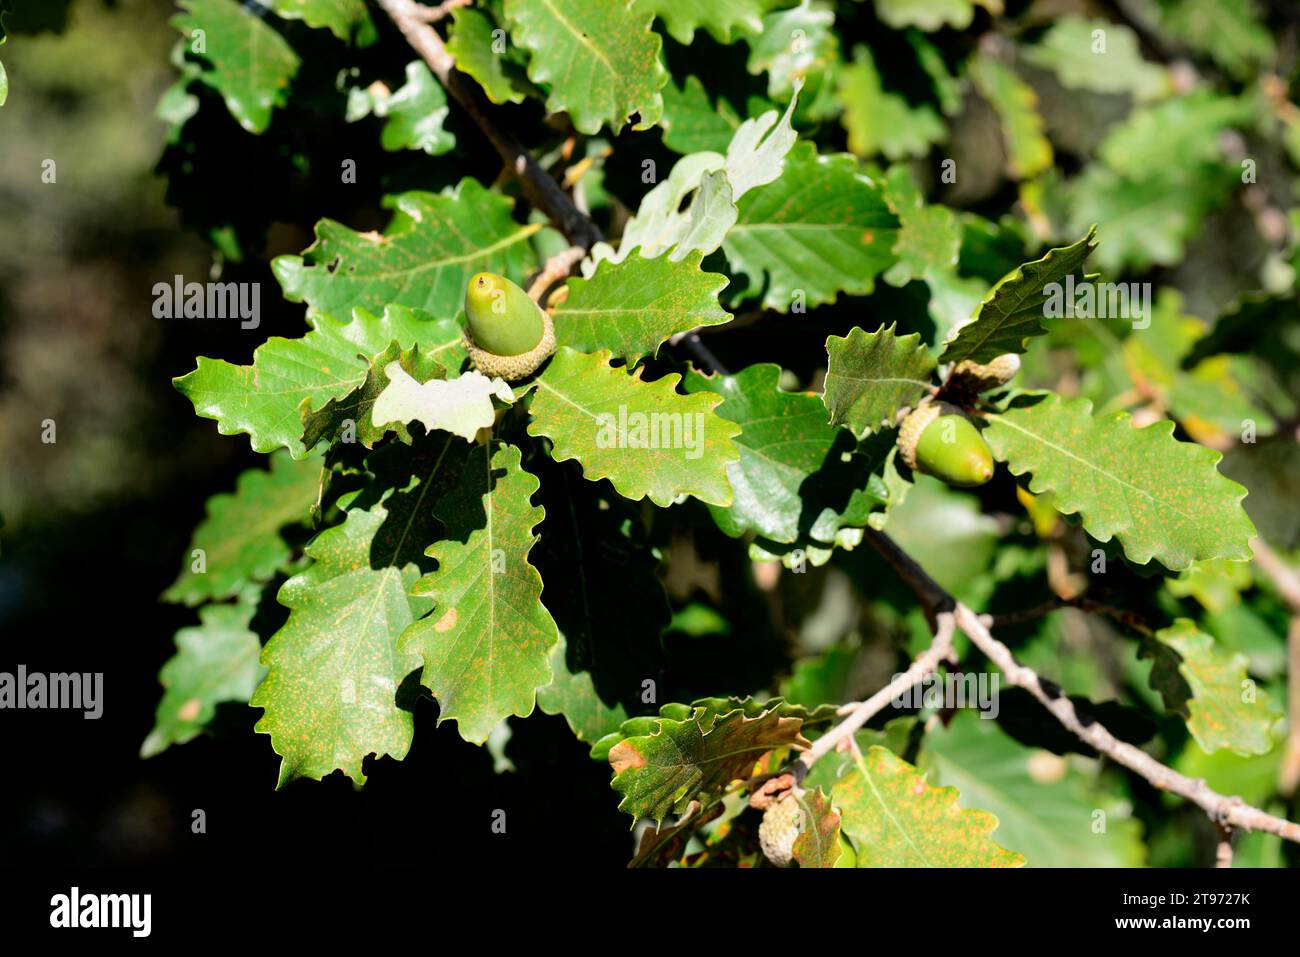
(485, 645)
(632, 306)
(821, 229)
(434, 245)
(896, 819)
(215, 661)
(871, 375)
(243, 58)
(240, 536)
(1161, 498)
(600, 61)
(645, 437)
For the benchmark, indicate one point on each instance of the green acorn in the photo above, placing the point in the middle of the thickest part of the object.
(507, 334)
(780, 827)
(938, 439)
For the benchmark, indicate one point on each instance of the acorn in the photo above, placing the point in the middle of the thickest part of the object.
(780, 828)
(973, 378)
(507, 334)
(938, 439)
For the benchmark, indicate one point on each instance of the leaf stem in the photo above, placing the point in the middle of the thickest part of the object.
(539, 187)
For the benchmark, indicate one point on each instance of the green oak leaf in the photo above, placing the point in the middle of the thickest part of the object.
(470, 43)
(1029, 152)
(414, 112)
(603, 590)
(1211, 398)
(799, 46)
(1161, 498)
(267, 399)
(693, 122)
(1147, 221)
(461, 406)
(1176, 133)
(796, 475)
(871, 375)
(929, 15)
(1231, 32)
(1210, 688)
(929, 236)
(434, 245)
(1014, 309)
(947, 88)
(243, 58)
(330, 694)
(661, 772)
(1048, 819)
(346, 19)
(484, 648)
(599, 61)
(928, 249)
(1070, 49)
(645, 437)
(631, 307)
(878, 121)
(894, 818)
(4, 85)
(707, 710)
(215, 661)
(350, 416)
(821, 229)
(713, 183)
(752, 708)
(725, 20)
(240, 535)
(818, 843)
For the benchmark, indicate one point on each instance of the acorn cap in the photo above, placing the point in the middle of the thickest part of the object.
(780, 828)
(513, 367)
(974, 378)
(939, 439)
(909, 433)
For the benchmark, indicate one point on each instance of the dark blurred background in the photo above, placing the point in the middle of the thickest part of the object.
(96, 524)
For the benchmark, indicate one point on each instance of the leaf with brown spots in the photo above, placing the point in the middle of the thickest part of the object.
(818, 843)
(694, 759)
(1208, 685)
(1161, 498)
(895, 819)
(330, 696)
(215, 661)
(485, 647)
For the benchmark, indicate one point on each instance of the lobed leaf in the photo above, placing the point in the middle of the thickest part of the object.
(1159, 497)
(645, 437)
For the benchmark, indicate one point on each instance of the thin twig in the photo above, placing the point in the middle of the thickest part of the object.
(1288, 779)
(1283, 576)
(434, 14)
(553, 270)
(1222, 810)
(1287, 583)
(925, 663)
(1128, 619)
(1223, 853)
(539, 187)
